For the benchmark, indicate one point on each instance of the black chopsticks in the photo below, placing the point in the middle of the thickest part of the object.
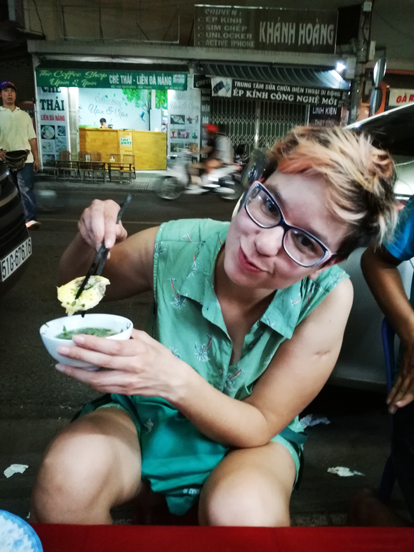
(98, 263)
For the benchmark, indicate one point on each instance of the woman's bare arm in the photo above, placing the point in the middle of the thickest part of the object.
(297, 373)
(381, 273)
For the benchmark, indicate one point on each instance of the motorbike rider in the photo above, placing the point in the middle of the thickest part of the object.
(219, 151)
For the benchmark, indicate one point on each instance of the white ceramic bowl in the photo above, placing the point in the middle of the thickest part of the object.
(50, 330)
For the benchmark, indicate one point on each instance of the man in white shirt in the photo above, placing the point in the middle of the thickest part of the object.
(17, 135)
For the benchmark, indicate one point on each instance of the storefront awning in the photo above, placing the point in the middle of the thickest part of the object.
(293, 76)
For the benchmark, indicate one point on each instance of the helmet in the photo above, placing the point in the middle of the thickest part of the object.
(211, 128)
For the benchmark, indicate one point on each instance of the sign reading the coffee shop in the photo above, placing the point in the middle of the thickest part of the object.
(273, 29)
(284, 93)
(111, 79)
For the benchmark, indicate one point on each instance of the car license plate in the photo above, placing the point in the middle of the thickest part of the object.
(16, 258)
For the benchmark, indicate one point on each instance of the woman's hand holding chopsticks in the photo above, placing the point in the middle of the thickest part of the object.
(98, 224)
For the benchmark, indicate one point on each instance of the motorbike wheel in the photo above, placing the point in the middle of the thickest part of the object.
(169, 188)
(237, 190)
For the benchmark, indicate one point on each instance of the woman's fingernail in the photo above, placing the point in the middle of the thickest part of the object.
(62, 350)
(60, 367)
(78, 339)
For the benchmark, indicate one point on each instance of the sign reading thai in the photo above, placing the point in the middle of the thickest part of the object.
(111, 79)
(273, 29)
(52, 118)
(284, 93)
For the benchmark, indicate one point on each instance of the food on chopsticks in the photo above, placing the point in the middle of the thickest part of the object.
(89, 298)
(99, 332)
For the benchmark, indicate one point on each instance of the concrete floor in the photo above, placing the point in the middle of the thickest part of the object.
(355, 439)
(36, 402)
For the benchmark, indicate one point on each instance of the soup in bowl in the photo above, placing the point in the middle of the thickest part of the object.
(60, 331)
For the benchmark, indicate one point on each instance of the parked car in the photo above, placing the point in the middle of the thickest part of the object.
(15, 243)
(361, 361)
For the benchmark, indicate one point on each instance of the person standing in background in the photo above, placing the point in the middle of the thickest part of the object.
(380, 269)
(16, 135)
(103, 123)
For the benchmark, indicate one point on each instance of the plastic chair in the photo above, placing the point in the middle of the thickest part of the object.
(97, 166)
(65, 166)
(128, 161)
(115, 165)
(388, 475)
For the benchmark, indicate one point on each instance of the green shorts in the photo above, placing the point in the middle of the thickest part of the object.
(176, 457)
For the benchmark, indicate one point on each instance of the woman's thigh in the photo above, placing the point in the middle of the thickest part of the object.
(250, 487)
(91, 466)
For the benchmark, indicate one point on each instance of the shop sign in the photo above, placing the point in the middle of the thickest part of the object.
(399, 97)
(325, 116)
(274, 29)
(201, 81)
(126, 141)
(184, 120)
(284, 93)
(111, 79)
(52, 117)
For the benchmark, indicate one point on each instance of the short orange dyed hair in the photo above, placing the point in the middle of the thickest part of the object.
(361, 178)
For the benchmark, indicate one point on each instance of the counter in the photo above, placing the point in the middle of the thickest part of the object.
(149, 148)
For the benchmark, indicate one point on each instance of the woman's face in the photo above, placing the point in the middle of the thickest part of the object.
(254, 256)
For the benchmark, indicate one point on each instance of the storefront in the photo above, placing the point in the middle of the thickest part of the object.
(258, 104)
(71, 101)
(286, 78)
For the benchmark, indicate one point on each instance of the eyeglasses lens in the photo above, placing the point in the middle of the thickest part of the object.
(299, 245)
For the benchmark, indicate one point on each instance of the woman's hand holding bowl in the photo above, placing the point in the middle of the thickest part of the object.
(139, 366)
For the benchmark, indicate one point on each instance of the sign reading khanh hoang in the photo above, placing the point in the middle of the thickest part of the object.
(275, 29)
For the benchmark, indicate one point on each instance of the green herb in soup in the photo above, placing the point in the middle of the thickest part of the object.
(99, 332)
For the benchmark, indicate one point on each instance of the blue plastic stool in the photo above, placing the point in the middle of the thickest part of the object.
(17, 535)
(388, 475)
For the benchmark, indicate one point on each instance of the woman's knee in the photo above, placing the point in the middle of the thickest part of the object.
(78, 473)
(244, 502)
(70, 472)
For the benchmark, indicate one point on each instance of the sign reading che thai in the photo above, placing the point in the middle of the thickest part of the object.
(111, 79)
(273, 29)
(400, 97)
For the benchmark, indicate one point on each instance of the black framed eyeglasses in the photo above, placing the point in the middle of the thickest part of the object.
(301, 246)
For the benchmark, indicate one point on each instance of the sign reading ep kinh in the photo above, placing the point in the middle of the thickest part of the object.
(274, 29)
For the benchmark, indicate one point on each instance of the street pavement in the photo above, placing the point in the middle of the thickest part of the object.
(36, 401)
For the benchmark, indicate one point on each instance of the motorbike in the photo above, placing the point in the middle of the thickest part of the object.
(253, 169)
(226, 181)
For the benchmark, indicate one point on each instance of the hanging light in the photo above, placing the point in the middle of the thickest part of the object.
(340, 67)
